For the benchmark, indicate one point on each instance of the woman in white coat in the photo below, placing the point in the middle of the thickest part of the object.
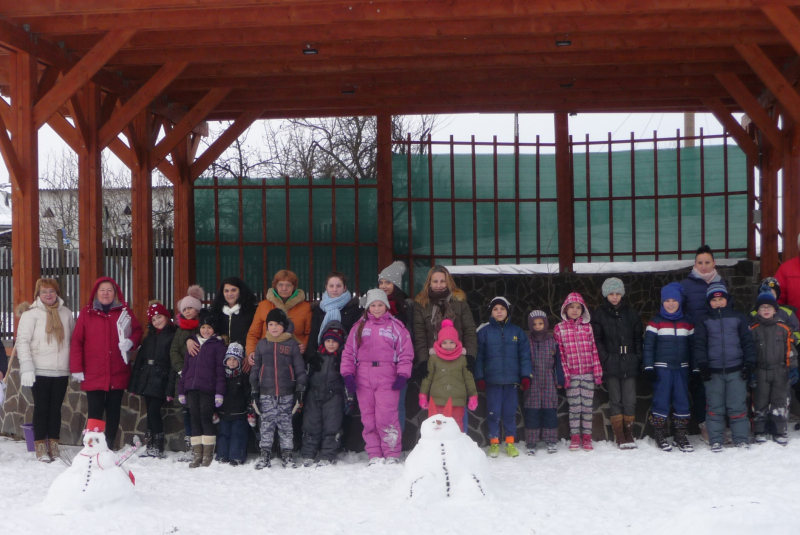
(43, 338)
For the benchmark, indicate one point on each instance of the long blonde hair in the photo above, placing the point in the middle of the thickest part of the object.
(53, 327)
(455, 292)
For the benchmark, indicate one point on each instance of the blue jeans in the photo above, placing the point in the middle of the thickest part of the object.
(671, 388)
(502, 401)
(232, 440)
(726, 393)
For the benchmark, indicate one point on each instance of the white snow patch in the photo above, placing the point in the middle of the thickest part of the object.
(584, 267)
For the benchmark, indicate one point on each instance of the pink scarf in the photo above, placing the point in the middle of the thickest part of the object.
(708, 277)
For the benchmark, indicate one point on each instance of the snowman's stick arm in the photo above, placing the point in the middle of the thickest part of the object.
(127, 455)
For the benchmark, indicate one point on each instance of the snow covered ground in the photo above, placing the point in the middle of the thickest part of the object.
(605, 491)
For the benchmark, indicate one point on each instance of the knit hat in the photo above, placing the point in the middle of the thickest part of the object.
(448, 332)
(538, 335)
(393, 273)
(334, 331)
(376, 294)
(716, 289)
(193, 298)
(156, 308)
(673, 290)
(235, 350)
(207, 318)
(766, 298)
(770, 283)
(613, 286)
(499, 300)
(278, 316)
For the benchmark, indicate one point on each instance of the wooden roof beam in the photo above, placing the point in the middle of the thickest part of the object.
(143, 97)
(751, 107)
(730, 123)
(786, 22)
(15, 171)
(772, 78)
(224, 141)
(196, 115)
(78, 75)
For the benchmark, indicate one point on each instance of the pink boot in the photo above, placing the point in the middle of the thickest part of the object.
(587, 443)
(575, 443)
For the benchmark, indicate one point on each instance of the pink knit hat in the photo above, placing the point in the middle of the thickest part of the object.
(448, 332)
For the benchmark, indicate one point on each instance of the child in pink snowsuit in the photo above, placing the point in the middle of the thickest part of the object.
(376, 363)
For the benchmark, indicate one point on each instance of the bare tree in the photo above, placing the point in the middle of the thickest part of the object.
(242, 159)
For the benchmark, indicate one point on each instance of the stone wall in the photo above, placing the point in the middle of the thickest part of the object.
(526, 292)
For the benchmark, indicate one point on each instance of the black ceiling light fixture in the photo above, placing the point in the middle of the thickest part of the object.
(349, 90)
(310, 49)
(566, 41)
(567, 85)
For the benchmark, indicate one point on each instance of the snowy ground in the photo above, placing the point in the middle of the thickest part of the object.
(605, 491)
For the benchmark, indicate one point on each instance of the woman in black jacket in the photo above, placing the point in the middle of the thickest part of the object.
(153, 377)
(234, 306)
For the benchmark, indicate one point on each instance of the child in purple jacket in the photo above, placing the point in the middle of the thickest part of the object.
(376, 363)
(202, 387)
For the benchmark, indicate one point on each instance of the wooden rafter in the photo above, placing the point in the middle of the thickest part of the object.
(224, 141)
(751, 107)
(786, 22)
(10, 155)
(48, 80)
(772, 78)
(730, 123)
(107, 108)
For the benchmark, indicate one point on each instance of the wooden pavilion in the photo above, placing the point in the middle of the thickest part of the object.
(124, 70)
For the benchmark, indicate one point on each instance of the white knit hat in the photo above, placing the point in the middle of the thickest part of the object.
(376, 294)
(192, 300)
(393, 273)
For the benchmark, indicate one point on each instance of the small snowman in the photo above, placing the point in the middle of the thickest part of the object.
(95, 478)
(446, 463)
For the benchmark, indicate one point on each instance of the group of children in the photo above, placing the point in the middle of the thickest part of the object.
(724, 348)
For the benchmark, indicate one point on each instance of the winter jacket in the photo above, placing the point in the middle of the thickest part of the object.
(327, 382)
(722, 341)
(618, 335)
(94, 348)
(234, 326)
(774, 344)
(504, 354)
(788, 276)
(405, 310)
(694, 296)
(177, 351)
(34, 352)
(152, 373)
(279, 369)
(237, 396)
(385, 344)
(206, 370)
(576, 343)
(350, 314)
(788, 316)
(296, 307)
(668, 344)
(426, 332)
(448, 379)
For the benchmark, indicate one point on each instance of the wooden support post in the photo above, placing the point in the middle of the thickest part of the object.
(770, 163)
(183, 242)
(142, 214)
(385, 211)
(25, 187)
(90, 195)
(565, 194)
(791, 188)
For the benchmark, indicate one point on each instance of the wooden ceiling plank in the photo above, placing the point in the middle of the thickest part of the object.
(733, 127)
(81, 73)
(143, 97)
(772, 78)
(751, 107)
(786, 22)
(224, 141)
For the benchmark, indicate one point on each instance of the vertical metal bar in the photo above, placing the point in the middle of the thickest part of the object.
(241, 228)
(430, 199)
(408, 212)
(287, 235)
(633, 198)
(333, 227)
(655, 188)
(538, 206)
(474, 205)
(358, 242)
(516, 193)
(217, 276)
(610, 202)
(588, 204)
(310, 235)
(453, 198)
(702, 190)
(727, 192)
(496, 205)
(264, 256)
(679, 199)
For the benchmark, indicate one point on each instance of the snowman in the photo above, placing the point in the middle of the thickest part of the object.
(446, 463)
(95, 478)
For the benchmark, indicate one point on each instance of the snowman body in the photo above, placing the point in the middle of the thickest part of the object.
(445, 464)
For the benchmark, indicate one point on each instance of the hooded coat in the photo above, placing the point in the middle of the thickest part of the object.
(34, 351)
(206, 370)
(576, 343)
(152, 373)
(94, 349)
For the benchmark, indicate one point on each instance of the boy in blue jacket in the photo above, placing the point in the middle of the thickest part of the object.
(503, 364)
(725, 355)
(667, 359)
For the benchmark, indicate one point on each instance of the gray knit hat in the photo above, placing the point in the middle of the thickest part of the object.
(376, 294)
(613, 286)
(393, 273)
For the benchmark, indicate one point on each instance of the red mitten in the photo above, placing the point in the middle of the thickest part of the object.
(481, 385)
(526, 383)
(472, 404)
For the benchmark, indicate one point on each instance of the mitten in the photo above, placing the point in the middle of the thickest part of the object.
(793, 376)
(472, 403)
(125, 345)
(399, 382)
(349, 383)
(182, 400)
(169, 398)
(423, 402)
(481, 385)
(651, 374)
(78, 377)
(525, 383)
(598, 380)
(218, 401)
(28, 378)
(746, 371)
(705, 374)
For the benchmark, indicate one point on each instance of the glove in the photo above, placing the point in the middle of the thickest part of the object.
(525, 383)
(349, 383)
(481, 385)
(423, 402)
(78, 377)
(315, 363)
(169, 398)
(125, 345)
(182, 400)
(472, 403)
(598, 381)
(218, 401)
(399, 382)
(28, 378)
(746, 371)
(705, 374)
(470, 363)
(651, 375)
(793, 376)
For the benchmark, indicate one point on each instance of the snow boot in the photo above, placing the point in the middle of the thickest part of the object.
(52, 449)
(392, 460)
(197, 452)
(186, 456)
(287, 459)
(587, 443)
(716, 447)
(680, 440)
(308, 462)
(159, 446)
(659, 424)
(743, 445)
(150, 448)
(41, 451)
(531, 451)
(619, 434)
(552, 447)
(575, 443)
(209, 441)
(783, 440)
(627, 429)
(375, 460)
(511, 449)
(325, 462)
(761, 438)
(494, 448)
(263, 460)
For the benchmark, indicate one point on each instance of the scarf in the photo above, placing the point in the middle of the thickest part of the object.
(448, 355)
(187, 325)
(274, 291)
(54, 327)
(230, 374)
(441, 306)
(709, 277)
(392, 304)
(332, 307)
(675, 316)
(230, 311)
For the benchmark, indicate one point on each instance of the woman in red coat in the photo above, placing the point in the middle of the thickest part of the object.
(98, 359)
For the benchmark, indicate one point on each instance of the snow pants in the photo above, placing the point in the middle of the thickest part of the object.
(378, 404)
(580, 397)
(276, 412)
(501, 404)
(671, 389)
(48, 396)
(540, 424)
(322, 425)
(771, 399)
(726, 393)
(621, 395)
(232, 440)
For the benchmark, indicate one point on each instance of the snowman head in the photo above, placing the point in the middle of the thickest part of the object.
(440, 427)
(94, 435)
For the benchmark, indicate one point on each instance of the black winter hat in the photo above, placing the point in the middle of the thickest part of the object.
(207, 317)
(279, 316)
